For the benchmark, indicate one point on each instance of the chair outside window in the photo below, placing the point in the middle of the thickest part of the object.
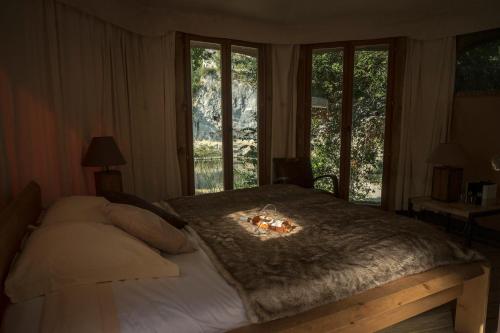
(298, 171)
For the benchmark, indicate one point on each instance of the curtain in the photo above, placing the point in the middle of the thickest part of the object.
(426, 113)
(285, 64)
(67, 76)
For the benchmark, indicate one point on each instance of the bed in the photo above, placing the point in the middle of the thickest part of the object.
(371, 307)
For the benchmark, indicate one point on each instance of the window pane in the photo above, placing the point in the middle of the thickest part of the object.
(207, 117)
(478, 67)
(326, 111)
(244, 113)
(368, 120)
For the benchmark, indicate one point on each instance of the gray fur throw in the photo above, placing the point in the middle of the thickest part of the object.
(337, 250)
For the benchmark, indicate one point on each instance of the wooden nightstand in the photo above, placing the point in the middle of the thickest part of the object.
(108, 181)
(466, 212)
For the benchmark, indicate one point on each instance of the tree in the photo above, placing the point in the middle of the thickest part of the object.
(368, 117)
(207, 119)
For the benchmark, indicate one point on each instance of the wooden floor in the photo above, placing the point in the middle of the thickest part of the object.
(441, 319)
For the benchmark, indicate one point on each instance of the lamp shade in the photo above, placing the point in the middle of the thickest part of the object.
(448, 154)
(103, 151)
(495, 162)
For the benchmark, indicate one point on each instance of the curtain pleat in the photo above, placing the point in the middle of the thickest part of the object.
(285, 64)
(426, 113)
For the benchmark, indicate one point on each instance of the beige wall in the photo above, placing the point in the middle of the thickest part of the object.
(476, 126)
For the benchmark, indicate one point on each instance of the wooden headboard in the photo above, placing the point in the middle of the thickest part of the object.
(14, 219)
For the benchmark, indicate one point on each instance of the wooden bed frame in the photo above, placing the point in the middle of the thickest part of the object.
(14, 219)
(368, 311)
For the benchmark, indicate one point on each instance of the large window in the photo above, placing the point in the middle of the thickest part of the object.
(478, 62)
(349, 93)
(225, 115)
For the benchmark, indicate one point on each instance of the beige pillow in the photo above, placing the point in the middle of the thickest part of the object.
(72, 253)
(148, 227)
(76, 208)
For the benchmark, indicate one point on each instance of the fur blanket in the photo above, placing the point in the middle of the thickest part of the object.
(337, 250)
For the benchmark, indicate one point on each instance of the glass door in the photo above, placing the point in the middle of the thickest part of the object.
(326, 112)
(225, 115)
(206, 94)
(349, 93)
(368, 123)
(244, 104)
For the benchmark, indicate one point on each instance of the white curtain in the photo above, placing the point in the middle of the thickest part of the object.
(285, 64)
(426, 113)
(67, 76)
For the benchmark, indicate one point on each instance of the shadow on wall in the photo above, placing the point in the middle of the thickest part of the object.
(476, 126)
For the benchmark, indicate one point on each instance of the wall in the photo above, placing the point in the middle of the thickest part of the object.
(476, 126)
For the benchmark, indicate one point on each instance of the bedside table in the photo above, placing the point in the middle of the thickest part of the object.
(108, 181)
(468, 213)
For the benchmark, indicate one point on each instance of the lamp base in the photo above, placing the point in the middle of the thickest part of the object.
(446, 183)
(108, 181)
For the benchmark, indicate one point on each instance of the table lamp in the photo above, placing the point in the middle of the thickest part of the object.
(495, 162)
(104, 152)
(448, 160)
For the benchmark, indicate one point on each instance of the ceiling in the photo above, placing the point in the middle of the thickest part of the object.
(298, 21)
(291, 12)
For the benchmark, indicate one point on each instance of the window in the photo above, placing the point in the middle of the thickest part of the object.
(326, 112)
(348, 112)
(244, 84)
(478, 62)
(368, 123)
(225, 115)
(207, 117)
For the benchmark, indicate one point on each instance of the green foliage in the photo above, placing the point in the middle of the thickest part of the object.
(368, 117)
(326, 118)
(369, 94)
(207, 119)
(478, 68)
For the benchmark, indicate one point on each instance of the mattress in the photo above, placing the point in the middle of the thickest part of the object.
(200, 300)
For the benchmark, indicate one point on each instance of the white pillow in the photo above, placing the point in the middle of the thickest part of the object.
(76, 209)
(70, 254)
(149, 227)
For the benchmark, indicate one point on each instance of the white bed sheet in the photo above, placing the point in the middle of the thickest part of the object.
(200, 300)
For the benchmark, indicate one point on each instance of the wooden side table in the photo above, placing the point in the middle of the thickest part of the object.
(108, 181)
(468, 213)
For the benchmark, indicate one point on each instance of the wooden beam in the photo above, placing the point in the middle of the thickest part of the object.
(264, 113)
(470, 315)
(346, 130)
(227, 115)
(380, 307)
(390, 178)
(184, 130)
(389, 109)
(402, 313)
(303, 139)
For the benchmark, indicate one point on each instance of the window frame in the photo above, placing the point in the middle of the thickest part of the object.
(263, 120)
(304, 108)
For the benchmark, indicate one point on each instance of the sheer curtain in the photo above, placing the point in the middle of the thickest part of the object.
(285, 64)
(67, 76)
(426, 113)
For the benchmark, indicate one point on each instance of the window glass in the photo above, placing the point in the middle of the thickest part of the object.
(244, 115)
(326, 111)
(207, 117)
(478, 67)
(368, 123)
